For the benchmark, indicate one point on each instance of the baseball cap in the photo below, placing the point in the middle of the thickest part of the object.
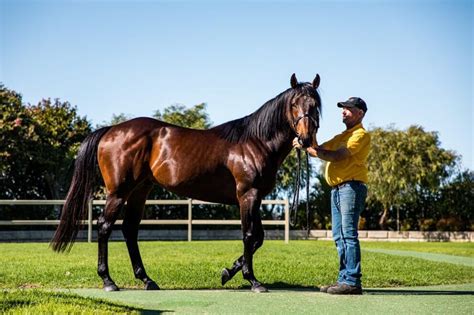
(354, 102)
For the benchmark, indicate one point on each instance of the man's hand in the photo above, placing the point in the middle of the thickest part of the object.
(296, 144)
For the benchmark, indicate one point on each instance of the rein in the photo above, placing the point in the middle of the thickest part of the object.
(294, 206)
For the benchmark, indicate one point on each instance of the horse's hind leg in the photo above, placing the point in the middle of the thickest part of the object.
(113, 205)
(131, 222)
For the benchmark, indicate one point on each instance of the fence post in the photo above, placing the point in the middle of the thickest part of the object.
(287, 221)
(89, 221)
(190, 220)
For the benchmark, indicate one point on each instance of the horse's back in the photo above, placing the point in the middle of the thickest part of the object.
(188, 162)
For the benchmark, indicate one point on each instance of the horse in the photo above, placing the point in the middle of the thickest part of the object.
(233, 163)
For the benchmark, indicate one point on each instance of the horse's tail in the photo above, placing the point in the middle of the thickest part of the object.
(80, 192)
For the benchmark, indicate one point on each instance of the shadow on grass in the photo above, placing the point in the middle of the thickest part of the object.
(287, 286)
(415, 292)
(383, 291)
(40, 301)
(153, 312)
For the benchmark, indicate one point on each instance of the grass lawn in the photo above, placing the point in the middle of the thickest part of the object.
(197, 265)
(456, 249)
(43, 302)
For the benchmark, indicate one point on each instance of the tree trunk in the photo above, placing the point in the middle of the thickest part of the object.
(383, 219)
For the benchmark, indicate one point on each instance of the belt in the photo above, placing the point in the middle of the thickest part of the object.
(348, 182)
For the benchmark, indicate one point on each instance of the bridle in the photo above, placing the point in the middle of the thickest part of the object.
(297, 120)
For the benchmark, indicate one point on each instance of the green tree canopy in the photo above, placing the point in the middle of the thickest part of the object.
(195, 117)
(404, 164)
(38, 144)
(116, 119)
(455, 203)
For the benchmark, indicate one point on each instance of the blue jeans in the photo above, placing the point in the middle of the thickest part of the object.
(347, 202)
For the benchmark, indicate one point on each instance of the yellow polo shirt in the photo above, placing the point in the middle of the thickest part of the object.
(357, 141)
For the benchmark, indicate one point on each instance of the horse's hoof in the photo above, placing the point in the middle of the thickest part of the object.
(259, 288)
(151, 285)
(225, 276)
(111, 288)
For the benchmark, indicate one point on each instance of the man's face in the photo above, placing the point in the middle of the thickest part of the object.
(351, 115)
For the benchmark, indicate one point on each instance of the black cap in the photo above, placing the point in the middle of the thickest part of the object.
(354, 102)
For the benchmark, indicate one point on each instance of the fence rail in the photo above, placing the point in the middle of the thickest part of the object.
(189, 221)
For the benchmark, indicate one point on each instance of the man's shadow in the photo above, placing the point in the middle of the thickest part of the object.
(372, 291)
(415, 292)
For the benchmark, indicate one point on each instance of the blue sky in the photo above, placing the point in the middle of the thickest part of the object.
(410, 60)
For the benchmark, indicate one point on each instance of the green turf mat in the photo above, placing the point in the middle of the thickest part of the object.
(452, 299)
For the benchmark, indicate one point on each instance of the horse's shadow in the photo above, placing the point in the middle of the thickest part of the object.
(290, 287)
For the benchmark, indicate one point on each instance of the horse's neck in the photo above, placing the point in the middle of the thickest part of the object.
(280, 146)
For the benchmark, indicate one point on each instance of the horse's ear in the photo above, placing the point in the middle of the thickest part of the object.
(293, 81)
(316, 81)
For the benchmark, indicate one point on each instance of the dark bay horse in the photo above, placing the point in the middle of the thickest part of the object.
(234, 163)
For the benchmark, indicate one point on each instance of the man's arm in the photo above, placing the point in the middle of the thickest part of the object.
(329, 155)
(323, 153)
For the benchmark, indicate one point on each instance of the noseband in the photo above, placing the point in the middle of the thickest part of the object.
(297, 120)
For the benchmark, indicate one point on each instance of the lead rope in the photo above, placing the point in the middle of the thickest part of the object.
(294, 206)
(307, 196)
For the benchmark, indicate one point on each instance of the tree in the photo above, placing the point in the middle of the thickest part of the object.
(37, 148)
(177, 114)
(285, 187)
(38, 144)
(321, 202)
(454, 207)
(404, 164)
(115, 120)
(13, 117)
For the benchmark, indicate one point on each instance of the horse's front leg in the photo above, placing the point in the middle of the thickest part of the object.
(252, 235)
(229, 273)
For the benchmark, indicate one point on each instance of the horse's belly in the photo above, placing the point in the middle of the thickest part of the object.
(217, 187)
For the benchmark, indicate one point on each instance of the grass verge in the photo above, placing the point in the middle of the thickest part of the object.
(197, 265)
(37, 301)
(31, 270)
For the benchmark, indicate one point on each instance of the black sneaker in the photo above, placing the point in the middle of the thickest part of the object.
(345, 289)
(325, 288)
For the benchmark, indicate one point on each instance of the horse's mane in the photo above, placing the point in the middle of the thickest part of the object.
(266, 121)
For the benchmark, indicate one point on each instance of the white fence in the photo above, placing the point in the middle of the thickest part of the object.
(189, 221)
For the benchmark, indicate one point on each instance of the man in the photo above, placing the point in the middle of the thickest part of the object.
(346, 172)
